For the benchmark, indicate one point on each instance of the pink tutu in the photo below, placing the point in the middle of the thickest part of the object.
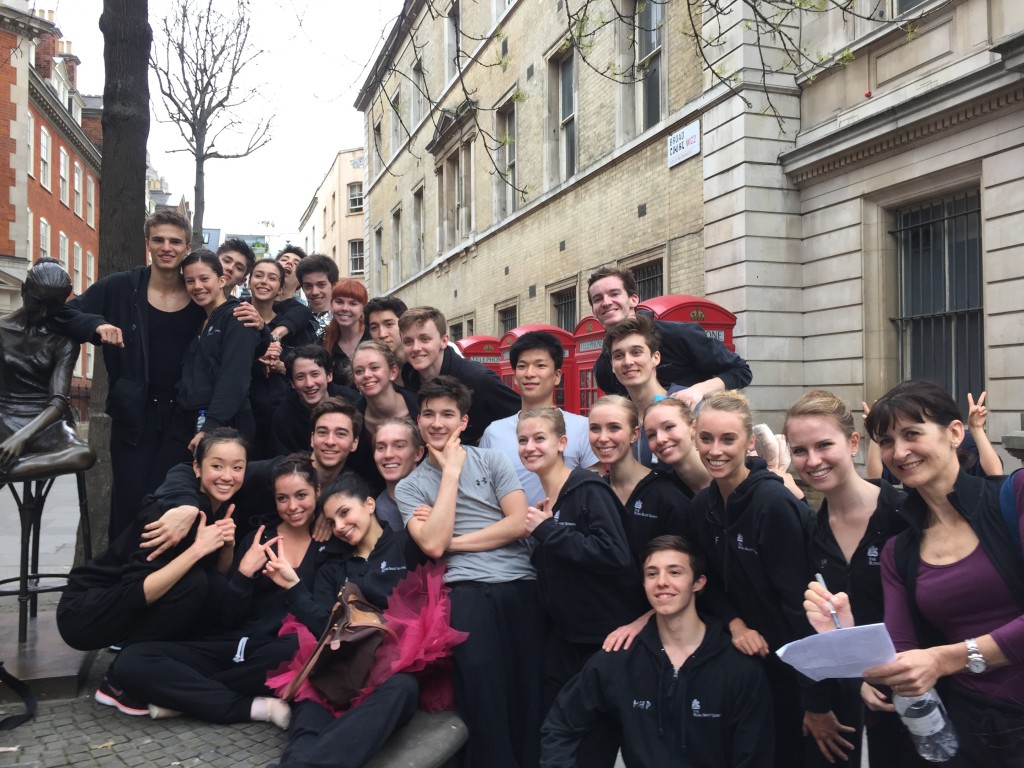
(419, 612)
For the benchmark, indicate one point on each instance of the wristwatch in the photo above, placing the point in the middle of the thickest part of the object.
(975, 661)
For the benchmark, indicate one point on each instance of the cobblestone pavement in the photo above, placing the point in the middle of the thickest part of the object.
(79, 732)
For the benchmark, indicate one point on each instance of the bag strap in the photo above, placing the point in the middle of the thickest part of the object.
(1008, 506)
(21, 688)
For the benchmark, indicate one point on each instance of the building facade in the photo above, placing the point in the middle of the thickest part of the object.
(332, 223)
(52, 169)
(859, 212)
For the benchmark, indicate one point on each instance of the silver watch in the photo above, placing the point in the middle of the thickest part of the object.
(975, 660)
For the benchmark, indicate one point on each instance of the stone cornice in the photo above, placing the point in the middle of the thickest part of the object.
(946, 108)
(46, 101)
(25, 24)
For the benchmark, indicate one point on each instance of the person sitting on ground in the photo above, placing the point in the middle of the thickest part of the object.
(397, 449)
(124, 596)
(682, 694)
(346, 328)
(425, 338)
(317, 274)
(382, 313)
(378, 560)
(690, 358)
(220, 675)
(536, 359)
(37, 436)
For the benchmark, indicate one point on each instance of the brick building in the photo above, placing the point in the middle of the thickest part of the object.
(866, 231)
(504, 167)
(332, 223)
(52, 169)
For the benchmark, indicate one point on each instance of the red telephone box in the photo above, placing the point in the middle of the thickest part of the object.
(566, 397)
(717, 322)
(482, 349)
(589, 336)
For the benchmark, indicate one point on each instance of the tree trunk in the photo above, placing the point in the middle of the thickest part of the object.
(199, 191)
(126, 42)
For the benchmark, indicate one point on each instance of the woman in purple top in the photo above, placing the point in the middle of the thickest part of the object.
(953, 581)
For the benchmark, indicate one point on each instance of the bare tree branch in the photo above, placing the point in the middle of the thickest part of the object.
(199, 69)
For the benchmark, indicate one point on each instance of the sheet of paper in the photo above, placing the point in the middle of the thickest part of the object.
(840, 653)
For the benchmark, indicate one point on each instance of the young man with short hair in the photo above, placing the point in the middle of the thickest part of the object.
(397, 449)
(425, 339)
(308, 371)
(382, 314)
(145, 320)
(289, 258)
(690, 358)
(237, 259)
(466, 504)
(317, 275)
(536, 359)
(682, 693)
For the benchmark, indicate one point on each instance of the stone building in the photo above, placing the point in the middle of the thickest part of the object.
(51, 168)
(860, 213)
(332, 223)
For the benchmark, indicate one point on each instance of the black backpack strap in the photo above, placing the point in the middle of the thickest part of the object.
(21, 688)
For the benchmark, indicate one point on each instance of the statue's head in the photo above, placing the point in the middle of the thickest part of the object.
(47, 286)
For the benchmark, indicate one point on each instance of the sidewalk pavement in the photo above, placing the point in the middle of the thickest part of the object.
(79, 732)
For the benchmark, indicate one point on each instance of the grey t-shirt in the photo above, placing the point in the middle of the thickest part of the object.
(487, 477)
(387, 511)
(501, 435)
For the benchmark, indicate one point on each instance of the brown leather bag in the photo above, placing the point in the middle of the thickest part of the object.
(341, 661)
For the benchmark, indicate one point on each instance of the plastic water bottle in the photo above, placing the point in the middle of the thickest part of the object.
(200, 421)
(930, 728)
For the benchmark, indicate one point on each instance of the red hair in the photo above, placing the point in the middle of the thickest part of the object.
(347, 288)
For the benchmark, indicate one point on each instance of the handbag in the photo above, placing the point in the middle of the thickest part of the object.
(340, 664)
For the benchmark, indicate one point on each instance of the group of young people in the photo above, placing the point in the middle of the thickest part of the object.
(573, 547)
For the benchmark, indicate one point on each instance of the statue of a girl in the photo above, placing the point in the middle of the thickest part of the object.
(36, 364)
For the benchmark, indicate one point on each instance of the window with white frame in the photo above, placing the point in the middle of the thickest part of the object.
(76, 276)
(90, 202)
(902, 6)
(648, 35)
(44, 237)
(455, 194)
(90, 269)
(941, 323)
(506, 182)
(562, 114)
(44, 158)
(418, 227)
(378, 157)
(397, 271)
(419, 94)
(30, 240)
(62, 239)
(453, 41)
(78, 190)
(64, 170)
(378, 257)
(356, 260)
(30, 143)
(355, 197)
(397, 127)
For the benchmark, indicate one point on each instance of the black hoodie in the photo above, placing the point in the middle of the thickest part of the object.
(861, 578)
(715, 711)
(757, 560)
(586, 578)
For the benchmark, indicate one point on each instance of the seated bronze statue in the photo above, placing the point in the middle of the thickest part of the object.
(36, 365)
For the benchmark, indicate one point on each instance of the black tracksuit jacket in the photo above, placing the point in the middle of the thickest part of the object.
(715, 711)
(585, 573)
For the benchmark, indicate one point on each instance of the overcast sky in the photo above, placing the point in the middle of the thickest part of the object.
(314, 60)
